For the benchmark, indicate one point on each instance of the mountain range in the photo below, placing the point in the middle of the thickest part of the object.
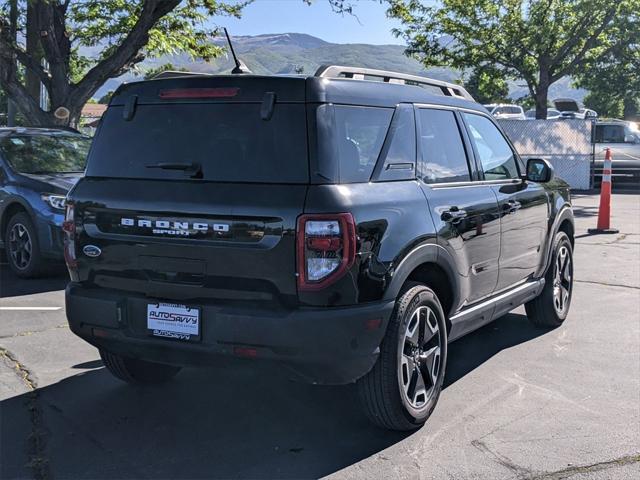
(289, 53)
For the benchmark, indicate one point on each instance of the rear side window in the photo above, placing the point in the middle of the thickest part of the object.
(443, 155)
(230, 141)
(360, 133)
(398, 156)
(497, 158)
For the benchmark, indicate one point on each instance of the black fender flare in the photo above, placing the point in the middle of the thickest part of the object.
(424, 253)
(565, 213)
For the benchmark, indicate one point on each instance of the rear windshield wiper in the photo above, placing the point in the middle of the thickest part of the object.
(193, 169)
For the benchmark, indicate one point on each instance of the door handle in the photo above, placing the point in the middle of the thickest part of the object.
(512, 206)
(453, 215)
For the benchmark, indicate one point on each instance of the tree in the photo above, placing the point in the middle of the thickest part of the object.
(86, 42)
(487, 85)
(152, 72)
(3, 107)
(538, 41)
(613, 80)
(106, 98)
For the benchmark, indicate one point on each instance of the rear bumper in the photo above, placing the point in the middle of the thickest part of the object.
(328, 346)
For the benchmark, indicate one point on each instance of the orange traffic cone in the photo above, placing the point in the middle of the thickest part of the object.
(604, 210)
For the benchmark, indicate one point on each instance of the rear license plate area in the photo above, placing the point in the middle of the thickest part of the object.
(174, 321)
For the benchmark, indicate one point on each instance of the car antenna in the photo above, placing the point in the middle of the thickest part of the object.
(240, 67)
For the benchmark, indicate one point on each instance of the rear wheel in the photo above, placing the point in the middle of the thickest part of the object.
(402, 389)
(22, 248)
(136, 371)
(551, 307)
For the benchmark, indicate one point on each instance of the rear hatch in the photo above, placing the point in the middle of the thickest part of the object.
(192, 190)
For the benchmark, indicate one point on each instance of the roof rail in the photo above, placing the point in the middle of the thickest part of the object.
(356, 73)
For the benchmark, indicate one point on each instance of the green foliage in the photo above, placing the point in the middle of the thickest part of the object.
(613, 80)
(106, 98)
(527, 102)
(487, 85)
(100, 26)
(152, 72)
(605, 104)
(538, 41)
(86, 42)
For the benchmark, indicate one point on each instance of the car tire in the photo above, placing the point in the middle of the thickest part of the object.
(22, 247)
(136, 371)
(550, 308)
(402, 389)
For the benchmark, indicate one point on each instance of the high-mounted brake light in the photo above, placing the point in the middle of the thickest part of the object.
(220, 92)
(326, 249)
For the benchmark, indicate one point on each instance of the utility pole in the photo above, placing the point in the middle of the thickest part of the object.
(13, 34)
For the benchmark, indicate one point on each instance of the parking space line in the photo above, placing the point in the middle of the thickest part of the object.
(31, 308)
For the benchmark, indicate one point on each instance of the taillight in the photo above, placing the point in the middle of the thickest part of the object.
(69, 229)
(326, 247)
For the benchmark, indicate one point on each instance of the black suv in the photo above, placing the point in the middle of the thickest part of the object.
(347, 225)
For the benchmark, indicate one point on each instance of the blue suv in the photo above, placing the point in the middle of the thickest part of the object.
(38, 166)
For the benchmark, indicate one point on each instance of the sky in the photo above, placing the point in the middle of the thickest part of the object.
(369, 23)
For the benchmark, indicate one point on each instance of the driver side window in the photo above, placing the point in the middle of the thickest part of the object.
(496, 157)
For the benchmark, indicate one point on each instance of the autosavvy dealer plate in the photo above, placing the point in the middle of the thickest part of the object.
(170, 320)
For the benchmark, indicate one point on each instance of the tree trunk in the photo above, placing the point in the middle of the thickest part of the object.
(32, 81)
(631, 109)
(542, 94)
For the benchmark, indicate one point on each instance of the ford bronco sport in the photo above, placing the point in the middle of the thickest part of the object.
(347, 225)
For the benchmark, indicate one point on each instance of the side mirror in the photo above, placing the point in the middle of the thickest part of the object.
(630, 139)
(539, 170)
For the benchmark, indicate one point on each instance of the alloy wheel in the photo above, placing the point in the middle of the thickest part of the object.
(562, 280)
(420, 357)
(20, 246)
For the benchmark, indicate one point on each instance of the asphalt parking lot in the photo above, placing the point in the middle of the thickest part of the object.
(519, 402)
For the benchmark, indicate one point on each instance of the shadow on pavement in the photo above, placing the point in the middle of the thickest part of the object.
(13, 286)
(240, 420)
(584, 212)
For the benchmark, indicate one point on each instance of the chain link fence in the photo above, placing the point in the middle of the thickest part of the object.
(567, 144)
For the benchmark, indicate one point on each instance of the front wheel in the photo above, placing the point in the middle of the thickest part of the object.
(22, 248)
(402, 389)
(132, 370)
(551, 307)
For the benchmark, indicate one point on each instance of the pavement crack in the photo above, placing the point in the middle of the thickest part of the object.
(607, 284)
(20, 370)
(520, 472)
(27, 333)
(36, 441)
(582, 469)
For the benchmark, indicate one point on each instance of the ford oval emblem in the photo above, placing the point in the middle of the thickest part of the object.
(91, 251)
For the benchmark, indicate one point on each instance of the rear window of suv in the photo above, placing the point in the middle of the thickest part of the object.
(229, 141)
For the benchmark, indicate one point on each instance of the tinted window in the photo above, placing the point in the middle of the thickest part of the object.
(229, 141)
(399, 151)
(497, 158)
(609, 134)
(55, 153)
(443, 155)
(359, 133)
